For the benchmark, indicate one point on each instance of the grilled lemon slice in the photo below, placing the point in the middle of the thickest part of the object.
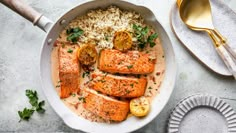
(139, 106)
(122, 40)
(87, 54)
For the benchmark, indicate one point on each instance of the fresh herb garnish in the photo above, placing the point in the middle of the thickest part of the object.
(25, 114)
(130, 66)
(151, 39)
(128, 91)
(36, 106)
(85, 74)
(39, 107)
(82, 99)
(141, 33)
(132, 85)
(33, 100)
(74, 34)
(106, 37)
(73, 94)
(69, 51)
(57, 86)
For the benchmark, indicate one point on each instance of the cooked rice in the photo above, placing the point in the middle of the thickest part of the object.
(100, 25)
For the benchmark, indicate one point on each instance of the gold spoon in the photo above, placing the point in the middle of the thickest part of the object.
(196, 14)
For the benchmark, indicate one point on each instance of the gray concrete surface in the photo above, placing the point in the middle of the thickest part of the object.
(20, 44)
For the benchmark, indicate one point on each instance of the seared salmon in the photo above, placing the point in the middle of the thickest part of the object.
(104, 106)
(131, 62)
(118, 86)
(68, 69)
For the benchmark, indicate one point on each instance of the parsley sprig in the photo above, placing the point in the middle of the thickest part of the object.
(74, 34)
(36, 105)
(141, 33)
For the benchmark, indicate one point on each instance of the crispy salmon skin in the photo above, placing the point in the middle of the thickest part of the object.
(68, 69)
(118, 86)
(131, 62)
(104, 106)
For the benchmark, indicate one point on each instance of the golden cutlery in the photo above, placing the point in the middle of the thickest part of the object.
(196, 14)
(204, 21)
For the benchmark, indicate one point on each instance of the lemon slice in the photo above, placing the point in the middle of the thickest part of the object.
(87, 54)
(122, 41)
(139, 106)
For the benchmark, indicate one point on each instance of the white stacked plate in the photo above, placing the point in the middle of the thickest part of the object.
(202, 114)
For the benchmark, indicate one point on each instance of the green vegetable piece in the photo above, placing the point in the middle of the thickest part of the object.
(39, 107)
(33, 98)
(151, 39)
(74, 34)
(130, 66)
(69, 51)
(25, 114)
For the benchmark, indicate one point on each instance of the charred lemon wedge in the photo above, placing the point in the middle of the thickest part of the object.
(122, 40)
(87, 54)
(139, 106)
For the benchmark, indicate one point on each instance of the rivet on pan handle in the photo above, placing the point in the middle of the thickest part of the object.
(29, 13)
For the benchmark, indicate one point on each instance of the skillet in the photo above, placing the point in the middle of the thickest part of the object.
(53, 30)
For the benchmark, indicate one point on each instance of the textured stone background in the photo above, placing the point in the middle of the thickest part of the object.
(20, 44)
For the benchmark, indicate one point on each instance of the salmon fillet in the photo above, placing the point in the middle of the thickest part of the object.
(104, 106)
(131, 62)
(68, 70)
(118, 86)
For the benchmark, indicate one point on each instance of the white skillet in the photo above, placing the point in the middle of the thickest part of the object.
(52, 31)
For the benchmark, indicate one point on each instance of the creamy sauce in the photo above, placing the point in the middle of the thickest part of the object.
(76, 105)
(99, 27)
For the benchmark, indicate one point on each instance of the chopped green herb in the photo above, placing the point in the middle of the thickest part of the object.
(128, 91)
(130, 66)
(33, 100)
(74, 34)
(132, 85)
(106, 38)
(69, 51)
(25, 114)
(57, 86)
(151, 39)
(39, 107)
(150, 87)
(141, 34)
(73, 94)
(82, 99)
(85, 74)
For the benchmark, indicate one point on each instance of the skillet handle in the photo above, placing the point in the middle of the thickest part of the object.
(28, 13)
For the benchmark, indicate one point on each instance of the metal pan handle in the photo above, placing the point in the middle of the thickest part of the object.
(28, 13)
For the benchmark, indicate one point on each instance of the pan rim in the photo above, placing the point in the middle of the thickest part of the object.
(67, 117)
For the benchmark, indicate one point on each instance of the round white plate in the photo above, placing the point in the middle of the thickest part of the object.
(202, 114)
